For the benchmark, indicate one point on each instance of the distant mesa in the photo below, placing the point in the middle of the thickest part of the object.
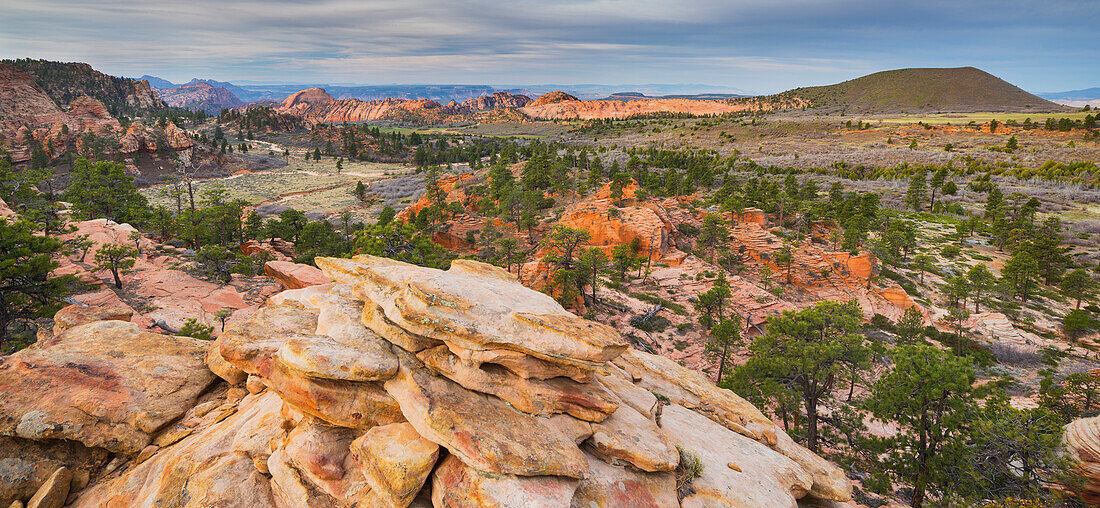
(637, 96)
(553, 98)
(924, 90)
(307, 96)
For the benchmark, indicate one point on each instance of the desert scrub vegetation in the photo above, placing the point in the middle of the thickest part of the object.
(689, 468)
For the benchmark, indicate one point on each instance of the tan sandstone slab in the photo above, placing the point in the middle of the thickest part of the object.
(762, 477)
(609, 486)
(396, 461)
(343, 403)
(76, 315)
(690, 389)
(251, 346)
(213, 466)
(482, 430)
(456, 485)
(375, 319)
(105, 384)
(342, 348)
(586, 401)
(477, 306)
(320, 452)
(629, 436)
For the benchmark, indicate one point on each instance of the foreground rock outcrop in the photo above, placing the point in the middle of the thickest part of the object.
(1082, 446)
(395, 385)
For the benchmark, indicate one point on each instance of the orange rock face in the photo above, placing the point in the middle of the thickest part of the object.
(820, 274)
(611, 226)
(177, 137)
(92, 115)
(450, 185)
(295, 275)
(23, 101)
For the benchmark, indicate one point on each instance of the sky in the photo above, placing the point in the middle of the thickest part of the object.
(757, 46)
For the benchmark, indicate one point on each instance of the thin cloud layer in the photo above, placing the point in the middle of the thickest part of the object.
(756, 45)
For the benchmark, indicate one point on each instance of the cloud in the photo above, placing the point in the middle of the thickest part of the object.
(753, 44)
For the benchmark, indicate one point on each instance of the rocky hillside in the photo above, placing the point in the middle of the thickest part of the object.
(200, 96)
(962, 89)
(396, 385)
(65, 81)
(564, 106)
(316, 106)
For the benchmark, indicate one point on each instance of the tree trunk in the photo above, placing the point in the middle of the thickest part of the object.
(118, 281)
(722, 364)
(811, 424)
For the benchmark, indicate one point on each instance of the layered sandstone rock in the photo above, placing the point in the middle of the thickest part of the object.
(105, 384)
(610, 226)
(819, 274)
(295, 275)
(499, 100)
(504, 399)
(22, 101)
(92, 115)
(396, 385)
(562, 105)
(1082, 445)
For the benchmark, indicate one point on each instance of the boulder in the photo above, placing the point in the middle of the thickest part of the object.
(105, 384)
(52, 494)
(75, 315)
(396, 461)
(295, 275)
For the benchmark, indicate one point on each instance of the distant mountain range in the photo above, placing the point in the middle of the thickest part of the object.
(260, 92)
(636, 96)
(1075, 98)
(919, 90)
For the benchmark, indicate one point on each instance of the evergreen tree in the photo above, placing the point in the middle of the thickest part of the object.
(27, 289)
(807, 354)
(917, 193)
(116, 258)
(928, 396)
(1078, 285)
(104, 190)
(725, 336)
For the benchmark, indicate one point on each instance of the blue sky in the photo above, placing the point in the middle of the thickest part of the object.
(754, 45)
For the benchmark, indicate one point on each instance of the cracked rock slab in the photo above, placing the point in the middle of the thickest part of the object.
(105, 384)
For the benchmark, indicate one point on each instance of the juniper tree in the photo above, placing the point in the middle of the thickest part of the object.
(928, 396)
(116, 259)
